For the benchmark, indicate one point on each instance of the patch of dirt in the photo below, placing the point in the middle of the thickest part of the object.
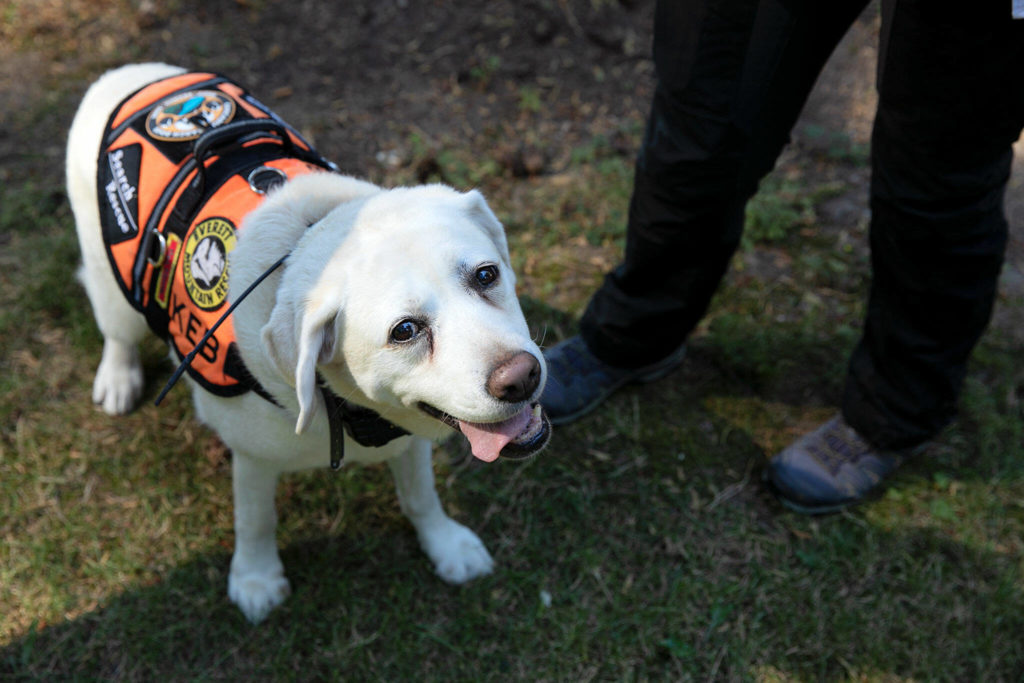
(357, 77)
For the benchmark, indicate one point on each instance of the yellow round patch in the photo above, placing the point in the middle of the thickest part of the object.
(205, 262)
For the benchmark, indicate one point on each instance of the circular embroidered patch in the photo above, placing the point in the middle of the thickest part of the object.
(188, 115)
(205, 262)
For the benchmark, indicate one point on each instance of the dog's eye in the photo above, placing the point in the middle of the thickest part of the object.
(485, 276)
(405, 331)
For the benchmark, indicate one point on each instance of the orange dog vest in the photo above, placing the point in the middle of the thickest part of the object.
(182, 162)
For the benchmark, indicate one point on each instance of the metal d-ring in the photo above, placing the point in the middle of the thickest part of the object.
(262, 179)
(161, 250)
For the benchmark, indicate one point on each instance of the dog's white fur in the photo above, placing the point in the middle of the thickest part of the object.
(373, 257)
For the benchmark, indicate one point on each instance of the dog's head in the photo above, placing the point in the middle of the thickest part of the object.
(406, 302)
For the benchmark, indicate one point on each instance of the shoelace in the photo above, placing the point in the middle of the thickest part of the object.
(839, 449)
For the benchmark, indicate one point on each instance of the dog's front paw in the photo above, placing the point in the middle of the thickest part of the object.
(458, 554)
(256, 594)
(118, 384)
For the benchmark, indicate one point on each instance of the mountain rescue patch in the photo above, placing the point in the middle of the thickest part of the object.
(183, 161)
(206, 262)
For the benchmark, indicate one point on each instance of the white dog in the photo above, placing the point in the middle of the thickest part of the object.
(395, 311)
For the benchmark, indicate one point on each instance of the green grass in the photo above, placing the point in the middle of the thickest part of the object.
(639, 546)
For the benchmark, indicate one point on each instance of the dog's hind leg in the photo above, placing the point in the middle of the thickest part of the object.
(118, 383)
(257, 583)
(457, 553)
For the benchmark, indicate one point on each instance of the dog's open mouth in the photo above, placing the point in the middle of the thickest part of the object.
(521, 436)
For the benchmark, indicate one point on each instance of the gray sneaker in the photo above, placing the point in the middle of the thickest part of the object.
(578, 382)
(829, 469)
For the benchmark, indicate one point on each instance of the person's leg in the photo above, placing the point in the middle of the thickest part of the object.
(732, 79)
(733, 76)
(951, 104)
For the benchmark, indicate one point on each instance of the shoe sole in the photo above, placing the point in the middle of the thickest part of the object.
(809, 509)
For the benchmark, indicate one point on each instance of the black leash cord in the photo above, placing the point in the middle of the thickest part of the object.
(187, 360)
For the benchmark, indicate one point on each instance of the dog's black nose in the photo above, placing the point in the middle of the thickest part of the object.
(515, 379)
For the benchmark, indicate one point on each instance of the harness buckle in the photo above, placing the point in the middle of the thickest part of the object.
(161, 250)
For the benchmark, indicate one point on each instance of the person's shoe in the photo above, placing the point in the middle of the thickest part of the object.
(829, 469)
(578, 382)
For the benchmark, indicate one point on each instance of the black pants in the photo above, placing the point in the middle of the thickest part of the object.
(733, 76)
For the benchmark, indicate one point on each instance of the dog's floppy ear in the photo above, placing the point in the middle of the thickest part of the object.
(479, 211)
(296, 339)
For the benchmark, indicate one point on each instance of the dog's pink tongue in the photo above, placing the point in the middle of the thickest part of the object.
(487, 439)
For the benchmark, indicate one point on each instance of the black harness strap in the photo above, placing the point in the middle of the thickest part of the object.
(364, 425)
